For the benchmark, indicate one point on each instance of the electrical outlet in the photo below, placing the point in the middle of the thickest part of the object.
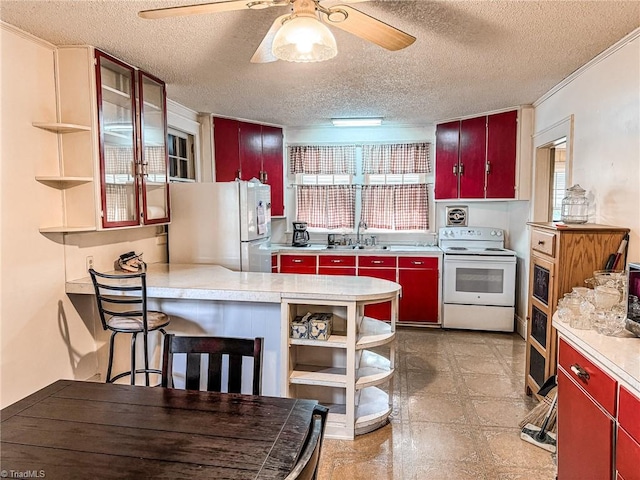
(89, 262)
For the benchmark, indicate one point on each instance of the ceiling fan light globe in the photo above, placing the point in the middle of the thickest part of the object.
(304, 39)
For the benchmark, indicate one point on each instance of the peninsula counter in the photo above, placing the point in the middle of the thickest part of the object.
(212, 300)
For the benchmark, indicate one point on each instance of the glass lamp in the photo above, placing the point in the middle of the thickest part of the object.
(304, 39)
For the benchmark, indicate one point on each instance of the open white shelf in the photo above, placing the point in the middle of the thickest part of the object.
(56, 127)
(374, 369)
(319, 375)
(374, 332)
(372, 410)
(340, 372)
(334, 341)
(67, 229)
(63, 182)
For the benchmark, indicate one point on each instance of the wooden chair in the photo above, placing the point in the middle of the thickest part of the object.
(215, 347)
(307, 466)
(122, 305)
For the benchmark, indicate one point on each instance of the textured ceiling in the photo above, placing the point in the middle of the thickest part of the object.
(469, 56)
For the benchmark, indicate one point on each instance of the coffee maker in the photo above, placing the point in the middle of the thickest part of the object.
(300, 235)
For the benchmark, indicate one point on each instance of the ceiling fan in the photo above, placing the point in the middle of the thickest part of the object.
(301, 35)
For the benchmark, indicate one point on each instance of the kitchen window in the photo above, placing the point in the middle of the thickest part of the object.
(384, 185)
(181, 156)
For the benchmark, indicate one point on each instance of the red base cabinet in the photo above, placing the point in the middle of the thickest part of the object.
(337, 265)
(628, 439)
(419, 278)
(586, 410)
(305, 264)
(378, 267)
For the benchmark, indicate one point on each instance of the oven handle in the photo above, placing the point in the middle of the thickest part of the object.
(450, 259)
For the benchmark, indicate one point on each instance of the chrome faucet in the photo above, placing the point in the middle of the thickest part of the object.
(364, 226)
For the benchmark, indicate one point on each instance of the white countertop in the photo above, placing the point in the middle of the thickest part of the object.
(212, 282)
(620, 354)
(389, 250)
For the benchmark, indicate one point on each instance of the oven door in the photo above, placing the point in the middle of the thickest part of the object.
(479, 280)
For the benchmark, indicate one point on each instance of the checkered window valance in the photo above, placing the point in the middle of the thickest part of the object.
(323, 159)
(396, 158)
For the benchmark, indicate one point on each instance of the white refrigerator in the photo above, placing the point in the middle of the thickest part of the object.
(222, 223)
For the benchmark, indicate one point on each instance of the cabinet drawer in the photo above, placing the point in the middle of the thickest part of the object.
(418, 262)
(337, 260)
(627, 456)
(629, 413)
(597, 383)
(543, 242)
(297, 261)
(368, 261)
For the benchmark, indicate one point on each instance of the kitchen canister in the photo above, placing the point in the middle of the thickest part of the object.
(300, 327)
(320, 326)
(575, 205)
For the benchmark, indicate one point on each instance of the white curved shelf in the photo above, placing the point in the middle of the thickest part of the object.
(373, 333)
(63, 182)
(373, 369)
(56, 127)
(372, 410)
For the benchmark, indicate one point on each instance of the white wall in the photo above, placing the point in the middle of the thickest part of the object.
(43, 337)
(604, 97)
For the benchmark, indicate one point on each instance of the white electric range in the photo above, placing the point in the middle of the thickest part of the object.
(478, 279)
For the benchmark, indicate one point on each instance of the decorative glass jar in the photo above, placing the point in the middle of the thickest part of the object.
(575, 206)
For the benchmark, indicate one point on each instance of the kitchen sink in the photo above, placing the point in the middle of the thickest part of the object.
(357, 247)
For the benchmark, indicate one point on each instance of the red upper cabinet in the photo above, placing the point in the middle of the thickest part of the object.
(477, 158)
(502, 133)
(473, 149)
(247, 150)
(227, 149)
(447, 149)
(272, 166)
(250, 151)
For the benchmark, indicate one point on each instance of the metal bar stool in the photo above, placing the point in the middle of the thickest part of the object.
(122, 303)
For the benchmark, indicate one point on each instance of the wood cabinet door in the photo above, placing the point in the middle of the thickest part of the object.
(250, 138)
(585, 434)
(473, 150)
(273, 167)
(227, 149)
(447, 147)
(419, 302)
(502, 131)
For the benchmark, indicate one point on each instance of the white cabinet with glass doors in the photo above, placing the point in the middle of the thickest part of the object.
(112, 155)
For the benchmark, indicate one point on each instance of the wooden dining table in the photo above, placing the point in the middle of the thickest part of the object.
(72, 429)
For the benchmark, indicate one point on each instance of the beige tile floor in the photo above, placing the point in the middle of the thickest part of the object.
(459, 396)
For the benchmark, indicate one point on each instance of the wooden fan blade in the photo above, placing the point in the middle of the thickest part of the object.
(196, 9)
(263, 53)
(372, 29)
